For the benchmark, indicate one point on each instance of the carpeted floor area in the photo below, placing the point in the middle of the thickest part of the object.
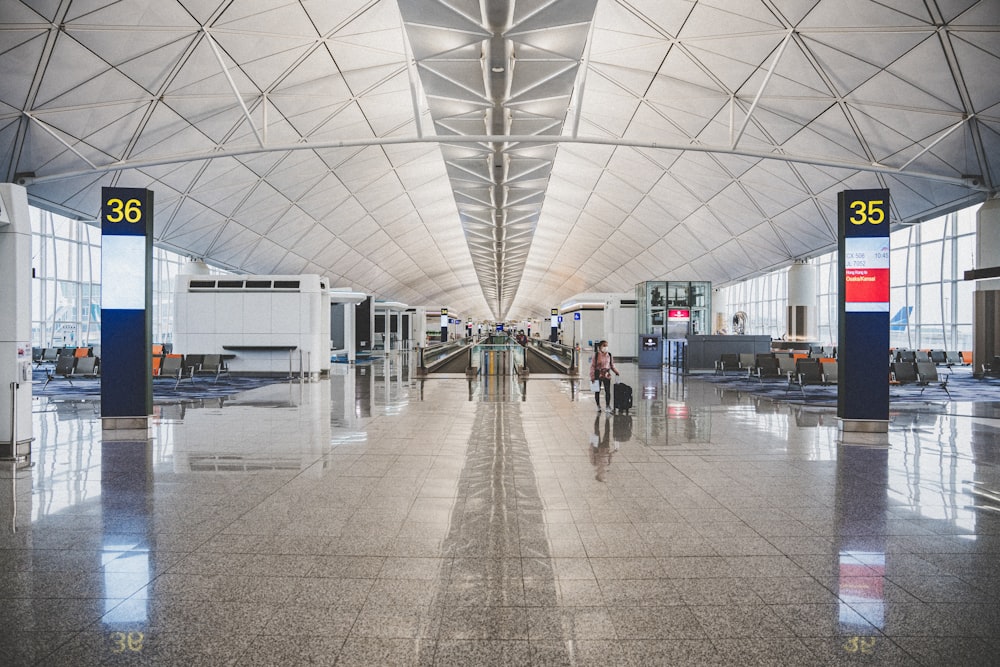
(962, 386)
(163, 388)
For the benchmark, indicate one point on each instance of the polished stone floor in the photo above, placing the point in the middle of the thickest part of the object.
(374, 519)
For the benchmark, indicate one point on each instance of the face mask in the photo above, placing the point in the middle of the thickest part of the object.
(604, 349)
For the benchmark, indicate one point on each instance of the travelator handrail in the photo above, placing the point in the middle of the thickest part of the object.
(564, 356)
(434, 355)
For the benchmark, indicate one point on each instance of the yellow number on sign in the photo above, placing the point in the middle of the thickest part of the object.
(129, 211)
(131, 642)
(867, 212)
(135, 641)
(118, 639)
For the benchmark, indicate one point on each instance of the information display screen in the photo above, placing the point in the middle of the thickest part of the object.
(123, 272)
(866, 274)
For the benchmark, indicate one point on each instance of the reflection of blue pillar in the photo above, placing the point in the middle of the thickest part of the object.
(127, 547)
(861, 509)
(15, 322)
(126, 310)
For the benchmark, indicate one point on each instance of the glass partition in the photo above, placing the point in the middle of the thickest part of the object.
(674, 309)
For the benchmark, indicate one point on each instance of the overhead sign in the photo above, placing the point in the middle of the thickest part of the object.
(679, 315)
(576, 316)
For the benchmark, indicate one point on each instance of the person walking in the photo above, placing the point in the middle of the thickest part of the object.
(602, 364)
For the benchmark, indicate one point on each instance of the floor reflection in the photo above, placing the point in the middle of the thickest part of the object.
(373, 517)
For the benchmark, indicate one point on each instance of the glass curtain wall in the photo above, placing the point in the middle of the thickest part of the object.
(66, 290)
(930, 303)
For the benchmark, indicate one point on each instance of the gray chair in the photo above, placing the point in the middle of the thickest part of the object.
(213, 364)
(904, 372)
(86, 367)
(807, 372)
(173, 366)
(727, 362)
(927, 375)
(786, 364)
(49, 356)
(766, 368)
(64, 369)
(830, 372)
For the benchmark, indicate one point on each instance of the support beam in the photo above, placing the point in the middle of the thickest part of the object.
(760, 91)
(232, 84)
(520, 139)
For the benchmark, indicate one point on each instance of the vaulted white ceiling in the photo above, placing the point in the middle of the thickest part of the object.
(499, 156)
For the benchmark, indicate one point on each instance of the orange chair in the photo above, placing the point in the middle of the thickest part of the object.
(156, 365)
(81, 352)
(158, 349)
(967, 357)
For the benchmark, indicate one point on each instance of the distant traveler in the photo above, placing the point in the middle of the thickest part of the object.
(601, 366)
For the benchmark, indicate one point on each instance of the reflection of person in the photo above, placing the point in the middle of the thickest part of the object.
(600, 448)
(601, 367)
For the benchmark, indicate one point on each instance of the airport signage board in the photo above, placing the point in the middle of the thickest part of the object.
(863, 341)
(126, 302)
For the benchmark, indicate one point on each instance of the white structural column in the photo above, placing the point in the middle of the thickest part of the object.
(419, 327)
(720, 312)
(986, 313)
(15, 322)
(801, 322)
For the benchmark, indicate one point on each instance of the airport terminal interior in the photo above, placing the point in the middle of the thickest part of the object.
(300, 301)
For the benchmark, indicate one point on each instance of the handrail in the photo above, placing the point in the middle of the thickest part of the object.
(431, 356)
(565, 355)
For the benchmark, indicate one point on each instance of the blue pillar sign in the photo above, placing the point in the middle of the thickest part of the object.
(863, 345)
(126, 298)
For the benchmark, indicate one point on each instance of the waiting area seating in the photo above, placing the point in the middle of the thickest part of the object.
(937, 357)
(921, 373)
(69, 366)
(180, 367)
(41, 356)
(813, 371)
(765, 368)
(727, 362)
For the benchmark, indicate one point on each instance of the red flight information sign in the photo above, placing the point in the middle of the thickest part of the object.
(866, 274)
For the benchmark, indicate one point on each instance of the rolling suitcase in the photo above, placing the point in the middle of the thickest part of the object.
(622, 397)
(622, 431)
